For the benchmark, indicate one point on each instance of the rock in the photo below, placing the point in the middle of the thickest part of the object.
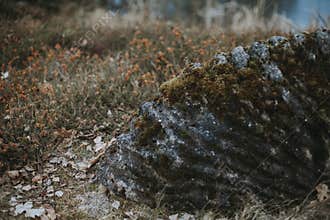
(239, 57)
(223, 132)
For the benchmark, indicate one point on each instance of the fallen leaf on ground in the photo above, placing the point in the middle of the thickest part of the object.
(70, 154)
(99, 144)
(187, 216)
(37, 179)
(49, 214)
(19, 186)
(59, 160)
(131, 215)
(115, 204)
(27, 188)
(50, 189)
(13, 174)
(183, 216)
(98, 139)
(81, 166)
(28, 168)
(174, 217)
(80, 176)
(322, 192)
(13, 201)
(32, 213)
(59, 193)
(20, 208)
(56, 179)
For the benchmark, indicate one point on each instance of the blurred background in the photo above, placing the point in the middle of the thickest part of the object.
(237, 15)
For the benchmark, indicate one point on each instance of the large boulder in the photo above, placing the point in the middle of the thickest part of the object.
(252, 121)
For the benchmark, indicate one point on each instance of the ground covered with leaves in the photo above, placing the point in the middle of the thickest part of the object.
(62, 104)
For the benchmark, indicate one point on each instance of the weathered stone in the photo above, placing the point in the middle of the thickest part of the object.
(221, 132)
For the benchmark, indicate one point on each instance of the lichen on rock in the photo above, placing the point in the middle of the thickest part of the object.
(241, 124)
(221, 58)
(272, 71)
(259, 51)
(239, 57)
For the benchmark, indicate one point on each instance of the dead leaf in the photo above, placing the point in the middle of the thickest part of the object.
(98, 139)
(99, 144)
(20, 208)
(32, 213)
(29, 169)
(183, 216)
(27, 188)
(59, 193)
(80, 176)
(56, 179)
(174, 217)
(37, 179)
(13, 174)
(70, 154)
(49, 214)
(131, 215)
(322, 192)
(19, 186)
(46, 89)
(13, 201)
(81, 166)
(50, 189)
(48, 182)
(49, 168)
(115, 204)
(59, 160)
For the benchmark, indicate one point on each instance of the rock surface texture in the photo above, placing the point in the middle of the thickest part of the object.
(252, 121)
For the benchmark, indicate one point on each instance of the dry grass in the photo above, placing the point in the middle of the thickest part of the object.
(55, 86)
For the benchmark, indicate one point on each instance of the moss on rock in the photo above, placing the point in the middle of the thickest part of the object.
(224, 130)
